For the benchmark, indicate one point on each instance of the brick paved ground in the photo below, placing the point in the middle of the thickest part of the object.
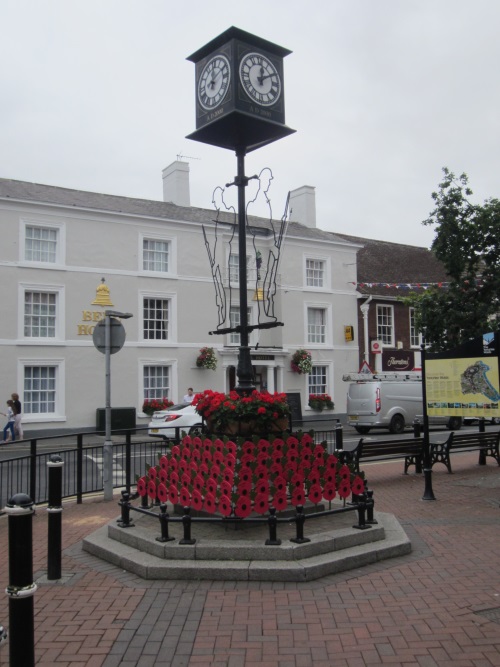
(438, 606)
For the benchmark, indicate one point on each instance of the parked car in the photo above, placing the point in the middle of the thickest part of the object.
(183, 416)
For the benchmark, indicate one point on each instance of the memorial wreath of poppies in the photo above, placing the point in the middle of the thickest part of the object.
(237, 478)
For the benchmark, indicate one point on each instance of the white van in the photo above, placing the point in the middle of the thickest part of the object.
(389, 400)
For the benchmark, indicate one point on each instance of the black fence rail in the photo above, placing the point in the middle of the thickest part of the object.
(83, 462)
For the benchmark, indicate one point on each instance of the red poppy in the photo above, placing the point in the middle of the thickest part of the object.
(280, 501)
(209, 505)
(173, 464)
(358, 486)
(214, 471)
(245, 474)
(183, 465)
(306, 452)
(247, 458)
(330, 477)
(185, 496)
(186, 453)
(277, 445)
(152, 489)
(263, 445)
(152, 473)
(314, 476)
(243, 507)
(261, 503)
(141, 486)
(292, 442)
(315, 494)
(219, 445)
(203, 469)
(226, 488)
(162, 493)
(331, 462)
(306, 439)
(186, 479)
(163, 475)
(344, 489)
(291, 466)
(173, 477)
(228, 475)
(279, 484)
(175, 451)
(319, 452)
(248, 447)
(276, 468)
(298, 497)
(193, 466)
(261, 472)
(344, 472)
(196, 500)
(207, 444)
(199, 483)
(292, 457)
(262, 487)
(211, 485)
(186, 441)
(231, 447)
(196, 454)
(329, 491)
(244, 489)
(224, 505)
(218, 458)
(297, 479)
(196, 442)
(173, 495)
(164, 462)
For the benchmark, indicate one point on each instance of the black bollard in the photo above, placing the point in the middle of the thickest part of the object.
(145, 501)
(54, 509)
(272, 522)
(124, 520)
(362, 525)
(164, 517)
(339, 437)
(370, 504)
(21, 588)
(300, 519)
(416, 429)
(186, 522)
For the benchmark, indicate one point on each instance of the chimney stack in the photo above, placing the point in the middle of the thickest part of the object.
(176, 183)
(303, 206)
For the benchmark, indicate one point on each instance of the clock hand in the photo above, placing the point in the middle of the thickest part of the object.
(261, 78)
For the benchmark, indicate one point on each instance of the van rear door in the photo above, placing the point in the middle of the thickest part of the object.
(363, 400)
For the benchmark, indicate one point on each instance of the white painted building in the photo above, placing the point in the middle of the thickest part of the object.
(58, 245)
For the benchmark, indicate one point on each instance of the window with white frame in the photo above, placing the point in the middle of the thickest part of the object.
(40, 244)
(385, 325)
(156, 381)
(156, 314)
(156, 255)
(315, 273)
(316, 325)
(234, 268)
(40, 314)
(40, 389)
(318, 380)
(235, 321)
(415, 334)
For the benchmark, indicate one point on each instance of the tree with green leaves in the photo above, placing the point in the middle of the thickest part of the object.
(467, 242)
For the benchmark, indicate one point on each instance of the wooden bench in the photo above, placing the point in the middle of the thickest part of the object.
(486, 443)
(409, 449)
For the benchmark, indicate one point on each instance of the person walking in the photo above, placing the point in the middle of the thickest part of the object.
(11, 418)
(18, 410)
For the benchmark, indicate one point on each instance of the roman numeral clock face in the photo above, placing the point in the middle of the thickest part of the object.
(213, 83)
(260, 79)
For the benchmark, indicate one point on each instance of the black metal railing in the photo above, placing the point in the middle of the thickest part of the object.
(83, 462)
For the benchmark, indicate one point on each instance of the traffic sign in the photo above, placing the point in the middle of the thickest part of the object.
(117, 335)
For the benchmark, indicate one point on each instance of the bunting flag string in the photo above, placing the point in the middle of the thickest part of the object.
(411, 286)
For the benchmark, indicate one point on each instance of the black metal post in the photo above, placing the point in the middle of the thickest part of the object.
(21, 588)
(272, 522)
(79, 469)
(339, 437)
(428, 492)
(33, 469)
(244, 369)
(186, 522)
(300, 519)
(54, 509)
(416, 428)
(128, 461)
(164, 517)
(361, 508)
(124, 521)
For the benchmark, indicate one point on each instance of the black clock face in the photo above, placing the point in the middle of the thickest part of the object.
(260, 79)
(213, 83)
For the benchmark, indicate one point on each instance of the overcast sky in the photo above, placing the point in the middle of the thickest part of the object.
(97, 95)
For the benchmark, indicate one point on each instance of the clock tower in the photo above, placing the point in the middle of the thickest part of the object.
(240, 100)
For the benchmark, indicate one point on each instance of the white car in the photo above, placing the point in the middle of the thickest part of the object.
(164, 423)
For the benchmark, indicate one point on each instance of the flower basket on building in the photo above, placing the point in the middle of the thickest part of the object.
(154, 404)
(301, 361)
(207, 358)
(260, 412)
(321, 402)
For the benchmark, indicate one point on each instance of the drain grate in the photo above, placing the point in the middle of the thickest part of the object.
(491, 614)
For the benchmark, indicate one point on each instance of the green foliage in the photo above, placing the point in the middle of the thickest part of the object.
(467, 243)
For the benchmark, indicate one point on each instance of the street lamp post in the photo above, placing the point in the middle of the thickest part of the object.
(108, 444)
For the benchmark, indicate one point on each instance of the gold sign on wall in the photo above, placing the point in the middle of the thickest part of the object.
(91, 317)
(348, 333)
